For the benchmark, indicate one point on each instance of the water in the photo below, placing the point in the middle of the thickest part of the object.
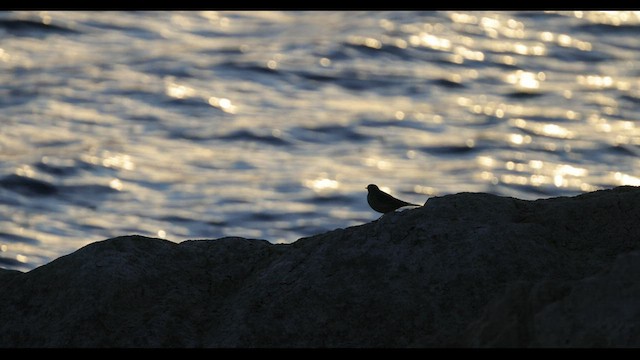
(190, 125)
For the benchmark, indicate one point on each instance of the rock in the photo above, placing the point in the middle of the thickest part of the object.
(597, 311)
(465, 270)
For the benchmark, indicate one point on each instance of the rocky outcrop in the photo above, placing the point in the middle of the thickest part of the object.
(465, 270)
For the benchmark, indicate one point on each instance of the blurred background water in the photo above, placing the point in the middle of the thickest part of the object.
(269, 125)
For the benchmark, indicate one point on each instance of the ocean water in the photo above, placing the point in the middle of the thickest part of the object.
(269, 125)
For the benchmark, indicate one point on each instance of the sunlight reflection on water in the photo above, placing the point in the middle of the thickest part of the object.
(269, 124)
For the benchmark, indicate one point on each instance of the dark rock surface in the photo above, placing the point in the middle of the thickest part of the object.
(465, 270)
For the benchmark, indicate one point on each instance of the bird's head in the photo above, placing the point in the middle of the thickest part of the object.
(372, 187)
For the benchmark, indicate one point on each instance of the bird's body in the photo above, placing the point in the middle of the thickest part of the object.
(382, 202)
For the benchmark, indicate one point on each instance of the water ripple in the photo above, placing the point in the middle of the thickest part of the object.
(33, 28)
(269, 124)
(28, 186)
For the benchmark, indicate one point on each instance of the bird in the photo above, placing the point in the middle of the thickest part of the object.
(382, 202)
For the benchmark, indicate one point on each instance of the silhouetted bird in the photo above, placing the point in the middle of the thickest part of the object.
(382, 202)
